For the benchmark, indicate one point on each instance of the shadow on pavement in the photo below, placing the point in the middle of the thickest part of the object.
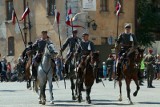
(149, 102)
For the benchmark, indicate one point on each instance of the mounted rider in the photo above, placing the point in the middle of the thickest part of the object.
(39, 47)
(125, 44)
(86, 47)
(71, 42)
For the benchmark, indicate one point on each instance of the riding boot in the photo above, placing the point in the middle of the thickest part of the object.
(118, 71)
(34, 72)
(151, 86)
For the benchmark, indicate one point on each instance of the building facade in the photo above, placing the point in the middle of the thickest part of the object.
(99, 12)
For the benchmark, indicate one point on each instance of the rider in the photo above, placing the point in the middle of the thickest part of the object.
(39, 47)
(72, 42)
(149, 60)
(85, 48)
(125, 41)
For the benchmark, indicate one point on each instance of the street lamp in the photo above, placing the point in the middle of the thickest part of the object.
(94, 25)
(25, 35)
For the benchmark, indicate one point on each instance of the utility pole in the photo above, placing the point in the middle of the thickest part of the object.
(67, 13)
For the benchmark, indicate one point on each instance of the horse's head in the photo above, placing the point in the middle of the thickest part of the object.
(95, 58)
(139, 55)
(50, 49)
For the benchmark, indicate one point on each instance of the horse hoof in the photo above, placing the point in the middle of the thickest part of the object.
(135, 94)
(120, 99)
(43, 103)
(131, 103)
(89, 101)
(40, 102)
(51, 102)
(73, 98)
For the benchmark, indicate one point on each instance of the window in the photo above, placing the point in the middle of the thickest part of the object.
(121, 2)
(11, 46)
(104, 5)
(50, 7)
(156, 5)
(9, 8)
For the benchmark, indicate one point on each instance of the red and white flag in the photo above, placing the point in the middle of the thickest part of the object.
(26, 12)
(57, 17)
(13, 17)
(118, 8)
(69, 19)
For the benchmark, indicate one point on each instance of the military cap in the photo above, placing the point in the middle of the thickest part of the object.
(85, 34)
(127, 26)
(44, 32)
(150, 50)
(74, 30)
(29, 43)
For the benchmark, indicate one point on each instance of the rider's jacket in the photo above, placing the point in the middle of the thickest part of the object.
(86, 47)
(39, 45)
(126, 40)
(72, 42)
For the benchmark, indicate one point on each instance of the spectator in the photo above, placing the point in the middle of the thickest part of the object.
(158, 67)
(110, 63)
(59, 67)
(8, 71)
(104, 70)
(3, 70)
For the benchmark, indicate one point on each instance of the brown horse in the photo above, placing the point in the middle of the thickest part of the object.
(86, 74)
(27, 69)
(129, 70)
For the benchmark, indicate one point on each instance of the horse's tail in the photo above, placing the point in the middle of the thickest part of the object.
(36, 85)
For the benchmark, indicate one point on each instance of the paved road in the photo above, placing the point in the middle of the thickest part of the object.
(15, 94)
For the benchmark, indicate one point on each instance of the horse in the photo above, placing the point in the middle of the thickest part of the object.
(45, 73)
(86, 74)
(70, 66)
(27, 69)
(129, 70)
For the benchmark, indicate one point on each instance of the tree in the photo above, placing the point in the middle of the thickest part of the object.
(147, 22)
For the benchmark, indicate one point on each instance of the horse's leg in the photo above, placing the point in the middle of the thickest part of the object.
(136, 82)
(120, 89)
(128, 81)
(50, 89)
(88, 91)
(72, 88)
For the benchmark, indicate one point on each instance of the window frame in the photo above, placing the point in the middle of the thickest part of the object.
(50, 5)
(9, 11)
(104, 4)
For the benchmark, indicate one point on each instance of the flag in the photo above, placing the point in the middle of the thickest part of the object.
(26, 12)
(13, 17)
(58, 17)
(118, 8)
(69, 19)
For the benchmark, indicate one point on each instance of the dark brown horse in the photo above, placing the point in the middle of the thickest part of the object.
(27, 69)
(129, 70)
(86, 74)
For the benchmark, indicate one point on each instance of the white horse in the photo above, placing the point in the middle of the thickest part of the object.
(45, 73)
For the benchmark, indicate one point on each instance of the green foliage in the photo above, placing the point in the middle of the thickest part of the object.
(147, 22)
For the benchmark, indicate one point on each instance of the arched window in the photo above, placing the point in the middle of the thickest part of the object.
(11, 46)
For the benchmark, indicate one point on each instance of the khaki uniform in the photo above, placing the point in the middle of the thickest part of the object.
(149, 60)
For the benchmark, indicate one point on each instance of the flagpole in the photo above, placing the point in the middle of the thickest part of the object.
(29, 24)
(60, 43)
(19, 28)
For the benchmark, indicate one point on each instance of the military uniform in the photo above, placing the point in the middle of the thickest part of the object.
(109, 63)
(149, 60)
(71, 42)
(125, 42)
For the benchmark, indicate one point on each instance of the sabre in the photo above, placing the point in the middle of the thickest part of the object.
(56, 80)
